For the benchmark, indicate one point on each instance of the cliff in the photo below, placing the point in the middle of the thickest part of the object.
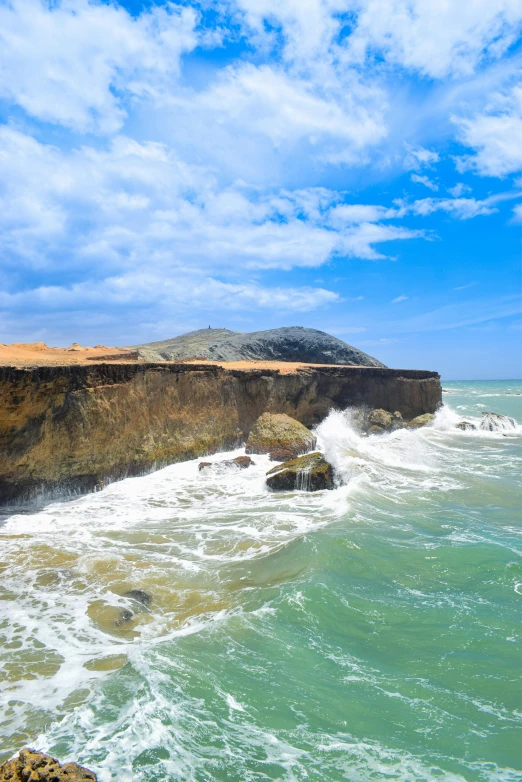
(75, 427)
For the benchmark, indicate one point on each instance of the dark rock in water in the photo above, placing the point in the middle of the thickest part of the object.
(465, 426)
(34, 766)
(292, 343)
(125, 616)
(281, 455)
(239, 461)
(495, 422)
(277, 430)
(306, 473)
(140, 596)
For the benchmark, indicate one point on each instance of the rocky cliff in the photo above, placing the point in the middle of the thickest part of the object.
(76, 427)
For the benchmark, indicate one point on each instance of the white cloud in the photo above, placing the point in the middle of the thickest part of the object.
(495, 135)
(137, 224)
(419, 158)
(459, 189)
(399, 299)
(68, 61)
(436, 39)
(461, 208)
(517, 213)
(424, 180)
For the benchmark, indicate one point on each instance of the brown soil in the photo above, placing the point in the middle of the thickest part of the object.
(38, 354)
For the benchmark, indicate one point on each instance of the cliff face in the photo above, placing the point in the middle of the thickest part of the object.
(72, 428)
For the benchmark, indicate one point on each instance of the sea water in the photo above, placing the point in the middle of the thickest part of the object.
(366, 633)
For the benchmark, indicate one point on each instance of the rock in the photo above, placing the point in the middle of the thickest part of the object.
(239, 461)
(380, 418)
(32, 766)
(306, 473)
(125, 616)
(278, 430)
(465, 426)
(140, 596)
(280, 455)
(420, 420)
(378, 421)
(495, 422)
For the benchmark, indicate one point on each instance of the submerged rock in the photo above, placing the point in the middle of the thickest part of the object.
(239, 461)
(272, 431)
(31, 765)
(420, 420)
(140, 596)
(495, 422)
(307, 473)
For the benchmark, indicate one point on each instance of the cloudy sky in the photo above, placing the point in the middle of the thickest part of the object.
(351, 165)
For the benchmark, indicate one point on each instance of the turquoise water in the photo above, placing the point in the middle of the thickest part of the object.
(367, 633)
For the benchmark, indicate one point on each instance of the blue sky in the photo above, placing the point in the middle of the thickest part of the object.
(350, 165)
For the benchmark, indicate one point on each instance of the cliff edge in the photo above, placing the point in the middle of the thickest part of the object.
(73, 428)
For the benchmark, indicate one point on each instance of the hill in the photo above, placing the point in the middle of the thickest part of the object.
(291, 343)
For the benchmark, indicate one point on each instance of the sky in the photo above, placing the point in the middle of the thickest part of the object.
(349, 165)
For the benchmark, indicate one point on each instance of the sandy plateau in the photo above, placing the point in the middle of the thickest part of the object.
(38, 354)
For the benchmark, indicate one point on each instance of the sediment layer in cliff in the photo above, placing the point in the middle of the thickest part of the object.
(73, 428)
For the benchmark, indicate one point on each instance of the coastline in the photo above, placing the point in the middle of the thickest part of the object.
(74, 428)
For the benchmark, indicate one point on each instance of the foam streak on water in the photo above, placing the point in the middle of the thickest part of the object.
(370, 632)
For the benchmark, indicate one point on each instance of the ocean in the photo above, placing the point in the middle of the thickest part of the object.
(367, 633)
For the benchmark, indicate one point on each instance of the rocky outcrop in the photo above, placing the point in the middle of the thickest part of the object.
(31, 766)
(306, 473)
(495, 422)
(292, 343)
(277, 431)
(74, 428)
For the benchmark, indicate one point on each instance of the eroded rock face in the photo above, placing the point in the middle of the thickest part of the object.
(31, 766)
(274, 431)
(306, 473)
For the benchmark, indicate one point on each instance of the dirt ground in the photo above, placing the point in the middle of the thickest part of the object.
(38, 354)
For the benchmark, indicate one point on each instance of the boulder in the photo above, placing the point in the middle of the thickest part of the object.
(306, 473)
(140, 596)
(495, 422)
(239, 461)
(382, 421)
(420, 420)
(280, 455)
(277, 430)
(31, 765)
(380, 418)
(465, 426)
